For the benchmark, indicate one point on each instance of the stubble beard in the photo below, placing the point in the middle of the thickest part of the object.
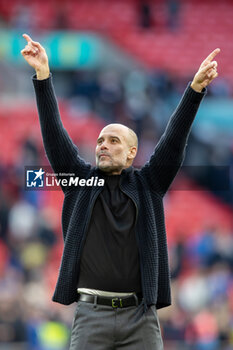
(109, 168)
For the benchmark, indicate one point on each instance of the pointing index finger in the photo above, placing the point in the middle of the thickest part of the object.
(212, 55)
(27, 37)
(32, 43)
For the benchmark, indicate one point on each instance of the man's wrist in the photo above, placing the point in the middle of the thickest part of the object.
(43, 73)
(196, 87)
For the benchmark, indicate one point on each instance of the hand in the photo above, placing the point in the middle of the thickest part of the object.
(36, 56)
(206, 73)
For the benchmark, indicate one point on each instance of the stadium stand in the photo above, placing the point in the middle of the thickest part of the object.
(173, 48)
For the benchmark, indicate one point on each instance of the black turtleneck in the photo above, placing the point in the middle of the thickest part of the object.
(110, 259)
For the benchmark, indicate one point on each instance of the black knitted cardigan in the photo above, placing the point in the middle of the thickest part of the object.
(146, 187)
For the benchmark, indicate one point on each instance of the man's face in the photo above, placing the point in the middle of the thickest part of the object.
(113, 151)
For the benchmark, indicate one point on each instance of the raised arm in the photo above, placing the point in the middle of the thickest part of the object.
(60, 150)
(170, 150)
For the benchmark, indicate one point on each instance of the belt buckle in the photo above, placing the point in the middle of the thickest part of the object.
(116, 300)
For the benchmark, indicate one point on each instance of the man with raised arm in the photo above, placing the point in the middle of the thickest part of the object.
(115, 262)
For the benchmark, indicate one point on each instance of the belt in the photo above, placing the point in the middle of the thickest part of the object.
(132, 300)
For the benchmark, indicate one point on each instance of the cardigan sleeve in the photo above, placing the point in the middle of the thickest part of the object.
(169, 152)
(62, 153)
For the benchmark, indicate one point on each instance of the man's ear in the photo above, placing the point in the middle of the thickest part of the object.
(132, 152)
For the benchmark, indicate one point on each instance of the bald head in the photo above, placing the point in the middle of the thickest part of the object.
(133, 139)
(116, 148)
(129, 135)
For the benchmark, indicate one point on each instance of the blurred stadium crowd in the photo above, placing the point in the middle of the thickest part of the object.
(142, 96)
